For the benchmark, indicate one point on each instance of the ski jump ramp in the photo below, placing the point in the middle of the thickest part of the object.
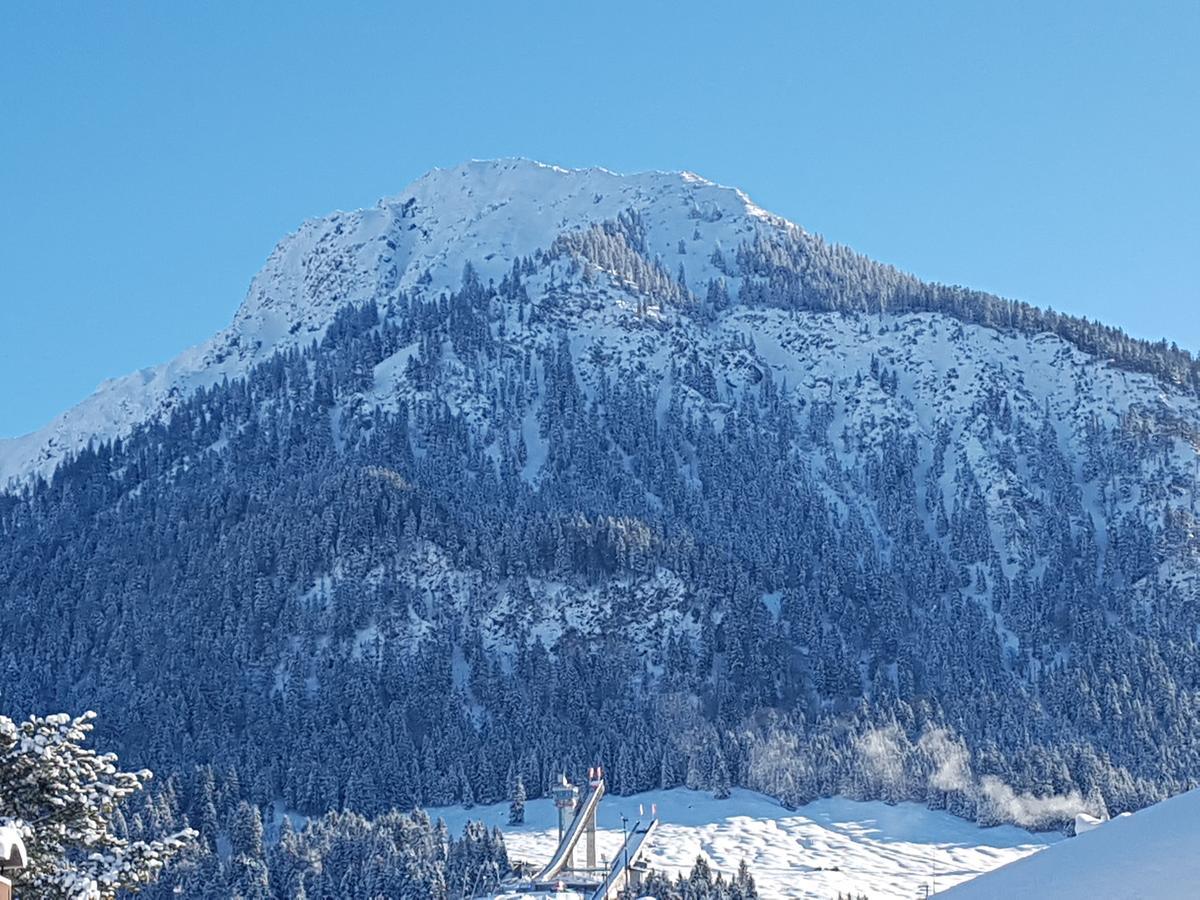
(592, 881)
(625, 867)
(585, 820)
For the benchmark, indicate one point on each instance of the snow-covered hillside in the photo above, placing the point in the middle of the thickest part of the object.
(930, 376)
(885, 852)
(490, 214)
(1153, 854)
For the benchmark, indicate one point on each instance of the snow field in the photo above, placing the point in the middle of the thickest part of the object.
(831, 845)
(1152, 854)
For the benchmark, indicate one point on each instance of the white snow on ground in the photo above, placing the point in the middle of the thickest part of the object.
(824, 847)
(1154, 853)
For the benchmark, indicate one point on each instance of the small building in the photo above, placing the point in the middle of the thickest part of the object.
(12, 856)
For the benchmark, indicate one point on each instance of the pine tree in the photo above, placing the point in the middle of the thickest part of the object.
(64, 799)
(720, 777)
(744, 882)
(249, 877)
(516, 809)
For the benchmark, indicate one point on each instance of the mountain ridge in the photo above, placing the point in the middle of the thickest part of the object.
(122, 401)
(418, 240)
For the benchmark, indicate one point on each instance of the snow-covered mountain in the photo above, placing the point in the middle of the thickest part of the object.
(526, 468)
(950, 379)
(487, 213)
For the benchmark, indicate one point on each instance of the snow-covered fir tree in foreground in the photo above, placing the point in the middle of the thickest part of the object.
(65, 801)
(526, 469)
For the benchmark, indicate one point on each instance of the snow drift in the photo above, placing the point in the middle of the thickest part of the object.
(1151, 854)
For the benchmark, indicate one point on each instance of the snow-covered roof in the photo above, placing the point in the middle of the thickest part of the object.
(12, 848)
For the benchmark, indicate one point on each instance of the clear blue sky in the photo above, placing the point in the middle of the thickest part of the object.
(151, 154)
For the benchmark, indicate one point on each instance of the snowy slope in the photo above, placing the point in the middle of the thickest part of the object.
(1154, 853)
(886, 852)
(419, 240)
(947, 372)
(639, 607)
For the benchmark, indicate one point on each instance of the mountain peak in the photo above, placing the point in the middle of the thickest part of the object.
(486, 212)
(672, 247)
(578, 195)
(519, 174)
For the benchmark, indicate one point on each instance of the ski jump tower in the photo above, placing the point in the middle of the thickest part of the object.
(577, 822)
(566, 801)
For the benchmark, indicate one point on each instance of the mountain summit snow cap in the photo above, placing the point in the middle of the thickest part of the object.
(486, 212)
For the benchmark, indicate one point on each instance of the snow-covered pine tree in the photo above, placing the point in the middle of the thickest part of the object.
(249, 877)
(721, 785)
(745, 882)
(64, 797)
(516, 809)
